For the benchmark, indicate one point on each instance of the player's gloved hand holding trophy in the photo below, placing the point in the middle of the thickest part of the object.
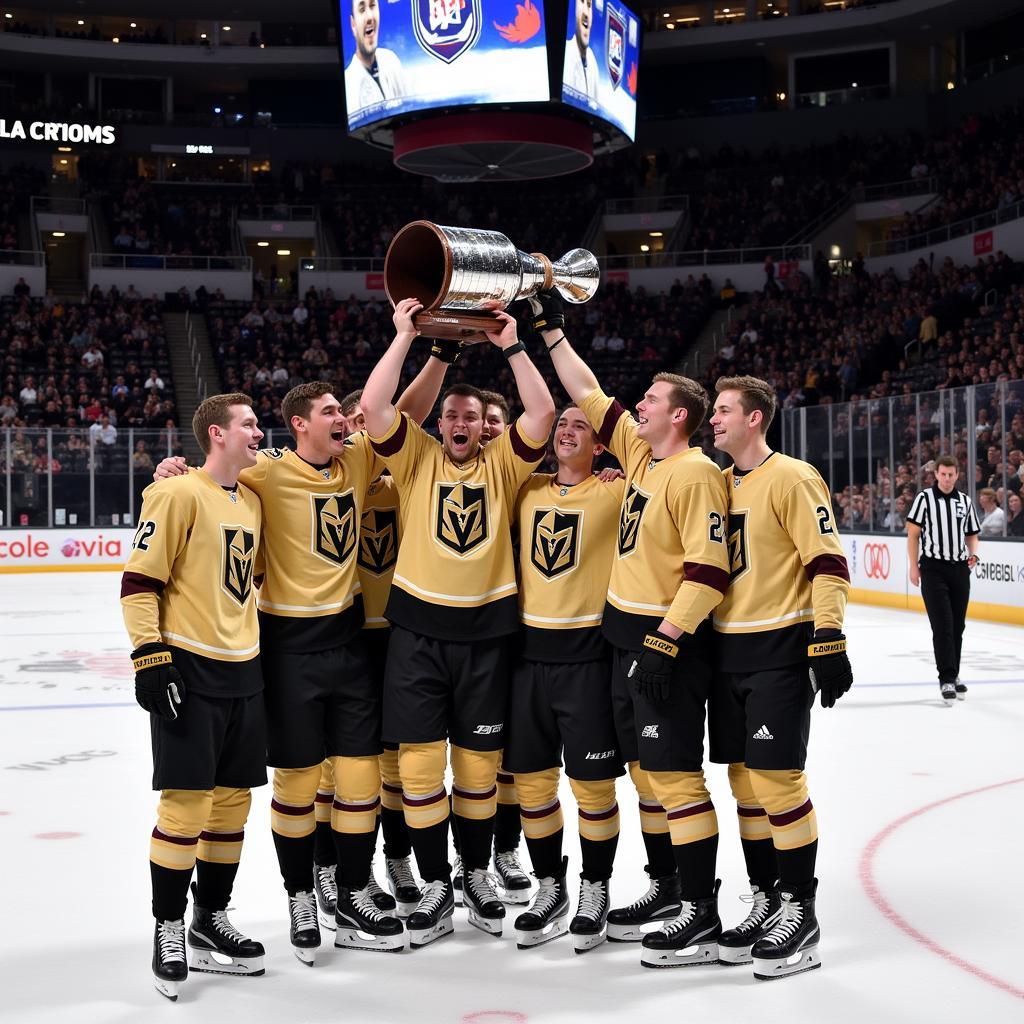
(460, 275)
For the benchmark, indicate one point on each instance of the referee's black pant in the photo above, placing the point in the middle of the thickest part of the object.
(946, 589)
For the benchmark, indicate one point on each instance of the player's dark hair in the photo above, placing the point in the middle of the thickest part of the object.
(686, 394)
(493, 398)
(755, 394)
(299, 401)
(215, 411)
(465, 391)
(350, 401)
(946, 460)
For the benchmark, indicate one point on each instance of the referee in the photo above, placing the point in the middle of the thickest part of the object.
(942, 546)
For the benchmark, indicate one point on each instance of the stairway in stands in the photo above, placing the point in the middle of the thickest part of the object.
(701, 353)
(195, 374)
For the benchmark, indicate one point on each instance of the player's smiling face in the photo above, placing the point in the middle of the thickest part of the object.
(731, 425)
(494, 424)
(322, 435)
(242, 437)
(574, 439)
(356, 420)
(460, 425)
(655, 415)
(584, 13)
(365, 22)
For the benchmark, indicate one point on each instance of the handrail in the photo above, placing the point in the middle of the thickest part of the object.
(159, 261)
(705, 257)
(273, 211)
(22, 257)
(195, 356)
(947, 232)
(355, 264)
(648, 204)
(57, 204)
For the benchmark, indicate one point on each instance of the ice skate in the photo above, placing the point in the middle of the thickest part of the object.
(513, 881)
(326, 888)
(169, 966)
(361, 925)
(304, 931)
(548, 916)
(432, 918)
(402, 883)
(216, 946)
(589, 926)
(659, 904)
(486, 911)
(734, 944)
(691, 940)
(791, 947)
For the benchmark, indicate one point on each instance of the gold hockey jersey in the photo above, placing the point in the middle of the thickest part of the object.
(788, 573)
(455, 577)
(379, 536)
(310, 598)
(188, 582)
(566, 547)
(670, 559)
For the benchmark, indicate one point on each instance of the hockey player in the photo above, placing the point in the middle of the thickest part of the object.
(452, 607)
(779, 639)
(188, 603)
(560, 700)
(321, 696)
(669, 572)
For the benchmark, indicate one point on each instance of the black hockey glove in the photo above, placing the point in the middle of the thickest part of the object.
(651, 672)
(829, 667)
(158, 685)
(447, 350)
(547, 313)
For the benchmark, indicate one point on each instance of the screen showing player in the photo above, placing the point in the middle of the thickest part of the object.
(602, 53)
(406, 55)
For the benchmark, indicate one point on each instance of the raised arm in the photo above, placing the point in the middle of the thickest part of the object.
(383, 380)
(548, 320)
(538, 405)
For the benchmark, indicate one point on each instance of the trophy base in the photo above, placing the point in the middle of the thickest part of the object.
(456, 325)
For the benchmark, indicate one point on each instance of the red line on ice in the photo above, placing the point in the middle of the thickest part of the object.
(867, 879)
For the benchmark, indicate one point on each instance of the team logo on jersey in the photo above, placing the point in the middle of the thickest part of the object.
(632, 511)
(556, 541)
(239, 550)
(738, 559)
(461, 516)
(378, 540)
(274, 453)
(446, 29)
(334, 526)
(615, 44)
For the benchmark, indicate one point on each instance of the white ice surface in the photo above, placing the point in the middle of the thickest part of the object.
(75, 930)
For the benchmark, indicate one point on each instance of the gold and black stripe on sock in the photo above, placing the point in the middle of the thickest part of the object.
(220, 847)
(794, 825)
(324, 853)
(653, 825)
(425, 805)
(755, 831)
(354, 817)
(541, 815)
(392, 816)
(474, 800)
(693, 826)
(507, 826)
(173, 845)
(598, 812)
(293, 824)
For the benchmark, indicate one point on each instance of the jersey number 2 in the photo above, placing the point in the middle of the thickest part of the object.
(824, 515)
(146, 530)
(715, 529)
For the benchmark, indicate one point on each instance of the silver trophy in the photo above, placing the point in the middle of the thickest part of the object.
(456, 272)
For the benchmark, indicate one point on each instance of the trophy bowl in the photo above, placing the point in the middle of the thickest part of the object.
(456, 273)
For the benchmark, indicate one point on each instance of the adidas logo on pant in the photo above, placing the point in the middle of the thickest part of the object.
(763, 734)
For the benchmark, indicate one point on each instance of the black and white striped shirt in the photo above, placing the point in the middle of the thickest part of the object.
(946, 521)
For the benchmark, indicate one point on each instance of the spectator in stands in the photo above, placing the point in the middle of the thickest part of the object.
(22, 289)
(153, 383)
(1015, 524)
(8, 410)
(993, 519)
(142, 462)
(29, 396)
(103, 431)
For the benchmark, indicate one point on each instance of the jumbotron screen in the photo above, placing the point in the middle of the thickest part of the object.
(602, 54)
(408, 55)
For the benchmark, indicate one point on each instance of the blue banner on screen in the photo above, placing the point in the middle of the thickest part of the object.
(602, 54)
(406, 55)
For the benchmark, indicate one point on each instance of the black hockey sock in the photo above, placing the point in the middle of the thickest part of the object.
(696, 862)
(456, 842)
(170, 892)
(214, 883)
(476, 835)
(598, 857)
(507, 828)
(295, 858)
(324, 851)
(546, 854)
(431, 847)
(660, 859)
(396, 834)
(762, 864)
(796, 867)
(355, 857)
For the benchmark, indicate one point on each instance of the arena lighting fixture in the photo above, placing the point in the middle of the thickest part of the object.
(132, 24)
(666, 15)
(645, 248)
(58, 234)
(7, 14)
(782, 97)
(63, 149)
(670, 24)
(284, 252)
(202, 35)
(227, 28)
(853, 85)
(80, 22)
(116, 39)
(834, 252)
(951, 85)
(64, 160)
(263, 245)
(655, 234)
